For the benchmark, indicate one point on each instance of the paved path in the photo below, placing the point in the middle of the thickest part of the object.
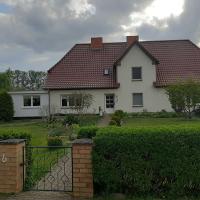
(104, 121)
(39, 196)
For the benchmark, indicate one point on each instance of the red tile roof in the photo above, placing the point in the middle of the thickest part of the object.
(179, 60)
(83, 67)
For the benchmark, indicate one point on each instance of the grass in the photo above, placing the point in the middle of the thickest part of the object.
(155, 122)
(35, 128)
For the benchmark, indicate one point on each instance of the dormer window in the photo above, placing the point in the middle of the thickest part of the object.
(106, 71)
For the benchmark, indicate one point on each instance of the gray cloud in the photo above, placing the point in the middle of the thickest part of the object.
(185, 26)
(37, 33)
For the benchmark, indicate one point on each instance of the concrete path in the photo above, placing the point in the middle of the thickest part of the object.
(104, 121)
(39, 196)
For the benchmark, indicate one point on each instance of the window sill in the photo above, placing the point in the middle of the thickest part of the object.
(66, 107)
(31, 107)
(136, 79)
(137, 106)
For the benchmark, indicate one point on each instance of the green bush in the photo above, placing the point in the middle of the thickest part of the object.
(28, 162)
(120, 114)
(57, 132)
(161, 161)
(54, 141)
(70, 119)
(87, 132)
(113, 123)
(161, 114)
(6, 107)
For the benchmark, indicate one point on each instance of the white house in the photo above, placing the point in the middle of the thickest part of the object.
(30, 103)
(127, 75)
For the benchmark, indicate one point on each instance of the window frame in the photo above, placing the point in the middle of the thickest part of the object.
(137, 93)
(32, 97)
(68, 96)
(111, 105)
(136, 79)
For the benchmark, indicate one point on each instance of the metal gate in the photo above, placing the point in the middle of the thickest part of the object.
(51, 169)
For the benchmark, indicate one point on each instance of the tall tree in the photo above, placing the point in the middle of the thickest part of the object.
(5, 81)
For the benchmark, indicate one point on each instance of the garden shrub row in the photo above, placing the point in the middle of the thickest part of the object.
(161, 161)
(161, 114)
(21, 135)
(87, 132)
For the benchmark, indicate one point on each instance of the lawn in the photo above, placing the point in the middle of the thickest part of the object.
(155, 122)
(37, 129)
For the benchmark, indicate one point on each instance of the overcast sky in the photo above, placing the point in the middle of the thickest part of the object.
(35, 34)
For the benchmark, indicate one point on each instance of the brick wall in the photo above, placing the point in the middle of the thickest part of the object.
(11, 168)
(82, 168)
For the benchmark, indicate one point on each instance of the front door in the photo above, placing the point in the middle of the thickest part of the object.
(109, 103)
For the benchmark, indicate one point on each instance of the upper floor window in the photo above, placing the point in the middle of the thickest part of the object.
(136, 73)
(107, 72)
(137, 99)
(31, 101)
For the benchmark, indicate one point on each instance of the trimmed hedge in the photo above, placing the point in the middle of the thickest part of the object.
(161, 161)
(54, 141)
(21, 135)
(87, 132)
(6, 107)
(161, 114)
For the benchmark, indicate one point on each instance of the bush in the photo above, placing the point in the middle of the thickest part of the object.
(120, 114)
(113, 123)
(162, 161)
(87, 132)
(6, 107)
(70, 119)
(28, 162)
(161, 114)
(57, 132)
(54, 141)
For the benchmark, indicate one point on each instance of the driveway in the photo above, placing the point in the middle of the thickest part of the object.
(37, 196)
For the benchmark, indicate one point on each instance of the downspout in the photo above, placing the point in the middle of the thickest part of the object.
(49, 103)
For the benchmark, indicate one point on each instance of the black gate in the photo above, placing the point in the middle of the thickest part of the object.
(51, 169)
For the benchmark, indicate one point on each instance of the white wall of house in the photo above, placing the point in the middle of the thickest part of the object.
(154, 99)
(32, 111)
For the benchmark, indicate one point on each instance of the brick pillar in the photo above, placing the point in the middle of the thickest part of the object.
(82, 168)
(11, 165)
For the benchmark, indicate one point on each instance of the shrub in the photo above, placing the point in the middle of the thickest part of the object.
(113, 123)
(120, 114)
(161, 114)
(6, 107)
(57, 132)
(87, 132)
(162, 161)
(54, 141)
(70, 119)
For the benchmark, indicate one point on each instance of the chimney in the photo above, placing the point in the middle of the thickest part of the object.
(96, 43)
(131, 39)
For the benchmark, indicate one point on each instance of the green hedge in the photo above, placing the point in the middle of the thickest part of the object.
(6, 107)
(161, 114)
(21, 135)
(161, 161)
(87, 132)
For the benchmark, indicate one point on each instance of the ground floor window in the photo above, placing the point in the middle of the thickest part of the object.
(137, 99)
(110, 101)
(70, 100)
(31, 101)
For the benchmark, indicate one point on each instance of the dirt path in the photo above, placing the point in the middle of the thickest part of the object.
(104, 121)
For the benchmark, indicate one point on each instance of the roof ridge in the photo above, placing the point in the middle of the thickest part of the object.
(175, 40)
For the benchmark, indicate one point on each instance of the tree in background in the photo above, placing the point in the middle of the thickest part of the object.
(31, 80)
(184, 97)
(6, 106)
(5, 83)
